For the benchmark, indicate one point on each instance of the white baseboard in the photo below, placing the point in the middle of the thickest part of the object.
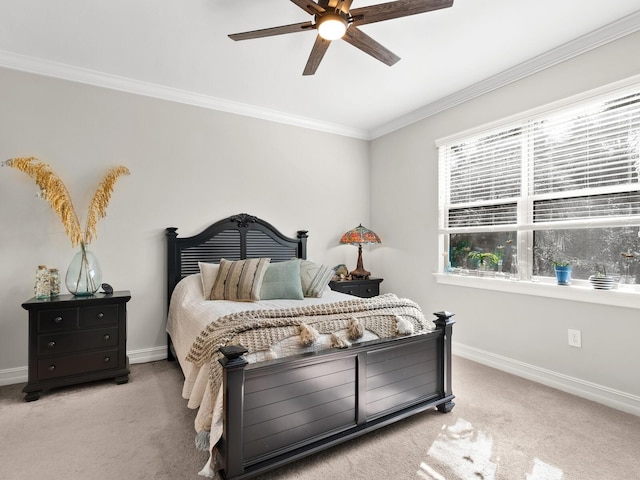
(147, 355)
(610, 397)
(10, 376)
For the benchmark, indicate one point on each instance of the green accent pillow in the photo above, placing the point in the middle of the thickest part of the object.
(314, 278)
(282, 280)
(240, 280)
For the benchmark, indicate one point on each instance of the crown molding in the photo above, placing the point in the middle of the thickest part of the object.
(590, 41)
(72, 73)
(607, 34)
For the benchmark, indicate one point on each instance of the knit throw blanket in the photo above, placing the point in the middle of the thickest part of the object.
(258, 330)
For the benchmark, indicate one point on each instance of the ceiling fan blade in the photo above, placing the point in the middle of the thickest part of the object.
(269, 32)
(364, 42)
(317, 52)
(312, 8)
(397, 9)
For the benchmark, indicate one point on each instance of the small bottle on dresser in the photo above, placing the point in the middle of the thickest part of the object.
(54, 282)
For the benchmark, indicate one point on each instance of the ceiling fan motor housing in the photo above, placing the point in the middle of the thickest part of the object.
(332, 25)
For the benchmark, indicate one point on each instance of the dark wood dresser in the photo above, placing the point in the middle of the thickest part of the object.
(76, 339)
(369, 287)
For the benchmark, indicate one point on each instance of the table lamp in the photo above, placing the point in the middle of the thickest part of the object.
(358, 236)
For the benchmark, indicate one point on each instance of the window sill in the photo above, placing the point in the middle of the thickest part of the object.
(579, 291)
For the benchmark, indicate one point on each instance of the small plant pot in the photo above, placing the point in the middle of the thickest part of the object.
(563, 275)
(601, 282)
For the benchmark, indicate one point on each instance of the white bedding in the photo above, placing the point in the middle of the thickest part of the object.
(190, 313)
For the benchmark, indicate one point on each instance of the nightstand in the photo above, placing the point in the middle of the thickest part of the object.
(359, 287)
(76, 339)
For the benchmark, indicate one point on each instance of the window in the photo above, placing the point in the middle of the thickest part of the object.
(559, 186)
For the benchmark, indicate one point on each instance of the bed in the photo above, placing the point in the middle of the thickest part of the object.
(338, 373)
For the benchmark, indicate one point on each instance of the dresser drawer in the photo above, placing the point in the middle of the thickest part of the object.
(98, 316)
(58, 319)
(57, 343)
(75, 364)
(349, 289)
(367, 291)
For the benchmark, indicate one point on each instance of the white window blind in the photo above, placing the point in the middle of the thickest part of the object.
(569, 169)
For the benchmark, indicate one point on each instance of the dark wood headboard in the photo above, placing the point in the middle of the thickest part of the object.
(234, 238)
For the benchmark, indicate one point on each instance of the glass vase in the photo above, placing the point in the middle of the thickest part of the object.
(514, 272)
(626, 280)
(500, 273)
(84, 275)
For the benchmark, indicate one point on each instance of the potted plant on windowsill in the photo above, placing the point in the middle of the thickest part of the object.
(484, 260)
(563, 272)
(600, 280)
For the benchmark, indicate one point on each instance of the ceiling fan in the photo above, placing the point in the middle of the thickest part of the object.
(334, 19)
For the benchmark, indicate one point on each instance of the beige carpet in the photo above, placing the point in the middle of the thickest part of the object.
(502, 428)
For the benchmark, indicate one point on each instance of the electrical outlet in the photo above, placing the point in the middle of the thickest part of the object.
(575, 338)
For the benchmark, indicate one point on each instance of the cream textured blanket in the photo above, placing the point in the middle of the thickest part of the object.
(258, 330)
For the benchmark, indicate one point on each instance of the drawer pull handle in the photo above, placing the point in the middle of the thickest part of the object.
(51, 344)
(106, 337)
(100, 315)
(57, 320)
(52, 368)
(107, 359)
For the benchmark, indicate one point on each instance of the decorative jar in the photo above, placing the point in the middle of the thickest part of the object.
(54, 281)
(42, 288)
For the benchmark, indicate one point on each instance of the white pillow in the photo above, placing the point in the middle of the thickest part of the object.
(314, 277)
(208, 275)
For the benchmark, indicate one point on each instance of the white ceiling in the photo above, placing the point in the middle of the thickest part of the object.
(179, 49)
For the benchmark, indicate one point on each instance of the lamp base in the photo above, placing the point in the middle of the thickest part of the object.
(360, 272)
(357, 273)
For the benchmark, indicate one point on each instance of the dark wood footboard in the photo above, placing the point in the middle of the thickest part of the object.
(282, 410)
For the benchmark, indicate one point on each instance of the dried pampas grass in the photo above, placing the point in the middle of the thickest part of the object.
(54, 191)
(98, 205)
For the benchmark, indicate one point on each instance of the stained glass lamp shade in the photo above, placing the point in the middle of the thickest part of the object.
(359, 236)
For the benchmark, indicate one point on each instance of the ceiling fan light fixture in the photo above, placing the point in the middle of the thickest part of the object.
(331, 26)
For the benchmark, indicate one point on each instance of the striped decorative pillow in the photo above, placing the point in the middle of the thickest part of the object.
(240, 280)
(314, 278)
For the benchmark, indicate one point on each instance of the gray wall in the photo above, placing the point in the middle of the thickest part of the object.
(520, 333)
(189, 167)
